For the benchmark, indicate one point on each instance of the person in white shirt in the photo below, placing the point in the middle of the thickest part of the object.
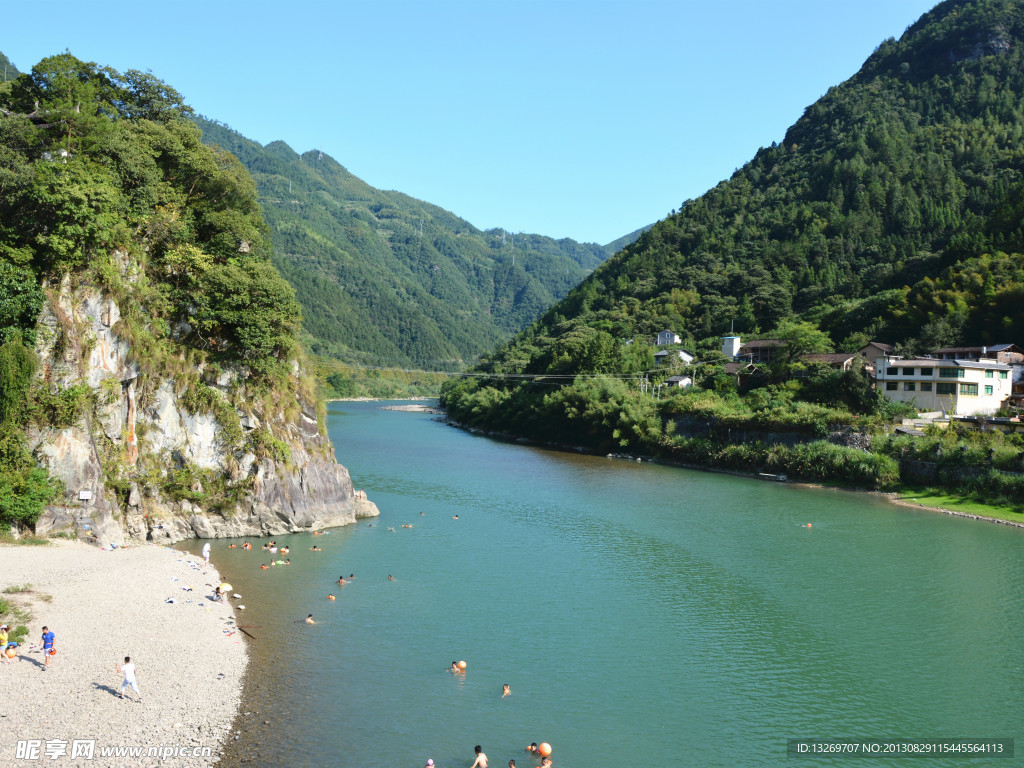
(128, 670)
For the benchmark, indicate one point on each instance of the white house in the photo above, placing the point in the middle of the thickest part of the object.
(663, 355)
(667, 337)
(955, 387)
(679, 381)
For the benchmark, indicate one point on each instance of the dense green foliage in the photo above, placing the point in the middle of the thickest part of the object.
(891, 211)
(339, 381)
(95, 161)
(385, 279)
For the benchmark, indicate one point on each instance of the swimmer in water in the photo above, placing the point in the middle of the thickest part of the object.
(455, 668)
(505, 690)
(309, 619)
(533, 748)
(330, 597)
(545, 762)
(481, 758)
(390, 577)
(342, 581)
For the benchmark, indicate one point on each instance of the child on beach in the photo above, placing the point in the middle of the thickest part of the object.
(4, 642)
(48, 649)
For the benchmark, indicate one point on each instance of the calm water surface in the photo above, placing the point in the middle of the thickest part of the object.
(641, 614)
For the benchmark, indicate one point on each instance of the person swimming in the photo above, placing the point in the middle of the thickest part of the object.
(330, 597)
(505, 690)
(309, 619)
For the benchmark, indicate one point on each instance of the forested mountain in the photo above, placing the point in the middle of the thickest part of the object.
(384, 278)
(871, 218)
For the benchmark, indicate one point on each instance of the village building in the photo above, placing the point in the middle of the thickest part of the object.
(679, 381)
(754, 351)
(665, 354)
(955, 387)
(873, 351)
(667, 337)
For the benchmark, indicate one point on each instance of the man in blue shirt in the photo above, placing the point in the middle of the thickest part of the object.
(47, 646)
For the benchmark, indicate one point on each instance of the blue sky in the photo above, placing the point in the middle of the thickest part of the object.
(558, 117)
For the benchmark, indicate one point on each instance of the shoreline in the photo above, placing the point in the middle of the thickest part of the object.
(374, 399)
(889, 496)
(103, 606)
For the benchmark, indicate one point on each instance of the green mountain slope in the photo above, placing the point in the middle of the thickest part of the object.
(384, 278)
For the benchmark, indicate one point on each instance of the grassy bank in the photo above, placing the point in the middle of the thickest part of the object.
(958, 502)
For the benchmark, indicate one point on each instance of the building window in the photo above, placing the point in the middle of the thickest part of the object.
(890, 386)
(908, 386)
(988, 374)
(969, 389)
(908, 371)
(892, 371)
(926, 386)
(1002, 374)
(926, 372)
(945, 389)
(988, 389)
(951, 373)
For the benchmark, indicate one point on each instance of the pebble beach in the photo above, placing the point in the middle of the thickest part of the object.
(103, 606)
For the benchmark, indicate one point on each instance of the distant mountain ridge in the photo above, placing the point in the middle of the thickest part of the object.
(386, 279)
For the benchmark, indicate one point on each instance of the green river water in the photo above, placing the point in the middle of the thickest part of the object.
(641, 614)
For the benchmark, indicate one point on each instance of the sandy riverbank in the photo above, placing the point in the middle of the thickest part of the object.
(103, 606)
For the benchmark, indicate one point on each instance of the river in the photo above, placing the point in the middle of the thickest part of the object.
(641, 614)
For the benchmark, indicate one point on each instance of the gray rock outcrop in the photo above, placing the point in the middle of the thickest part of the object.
(138, 426)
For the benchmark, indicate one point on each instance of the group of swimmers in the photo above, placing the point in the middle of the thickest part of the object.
(481, 758)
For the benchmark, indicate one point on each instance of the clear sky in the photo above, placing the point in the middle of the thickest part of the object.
(558, 117)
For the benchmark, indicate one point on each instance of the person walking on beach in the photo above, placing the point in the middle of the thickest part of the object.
(48, 650)
(128, 670)
(481, 758)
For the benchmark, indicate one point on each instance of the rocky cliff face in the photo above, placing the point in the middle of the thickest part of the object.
(136, 431)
